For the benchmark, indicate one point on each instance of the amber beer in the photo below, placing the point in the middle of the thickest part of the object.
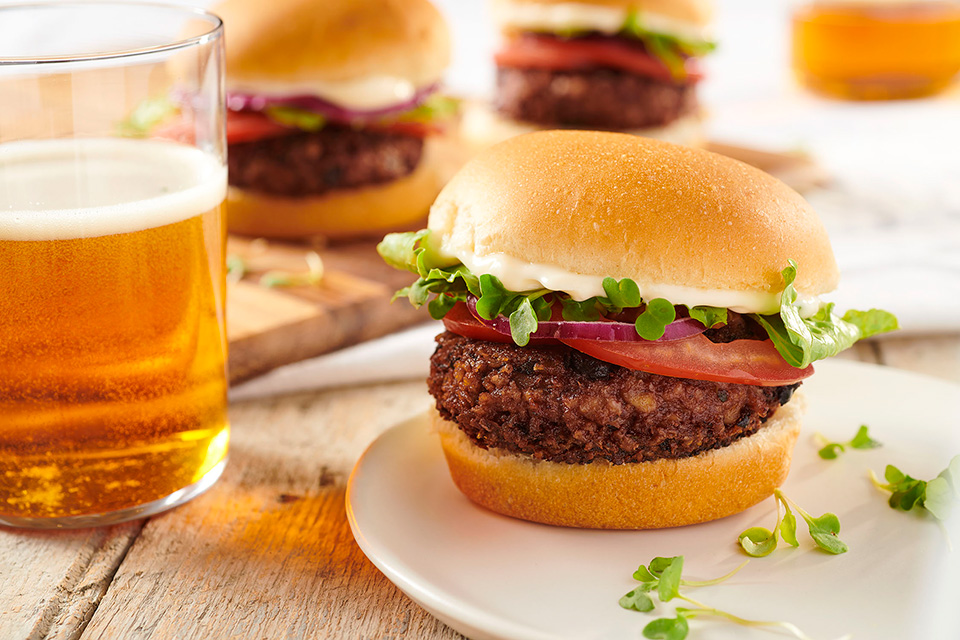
(112, 346)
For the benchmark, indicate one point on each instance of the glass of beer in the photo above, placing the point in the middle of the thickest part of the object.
(112, 177)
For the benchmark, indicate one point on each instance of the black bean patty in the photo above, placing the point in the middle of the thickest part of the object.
(306, 164)
(602, 98)
(558, 404)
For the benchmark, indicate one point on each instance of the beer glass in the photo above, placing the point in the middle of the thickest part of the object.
(112, 179)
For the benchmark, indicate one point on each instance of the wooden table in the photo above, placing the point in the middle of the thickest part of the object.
(266, 553)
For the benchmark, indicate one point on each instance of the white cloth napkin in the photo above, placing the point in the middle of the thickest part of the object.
(400, 356)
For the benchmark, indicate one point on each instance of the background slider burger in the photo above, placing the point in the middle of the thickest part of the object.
(627, 322)
(333, 114)
(627, 65)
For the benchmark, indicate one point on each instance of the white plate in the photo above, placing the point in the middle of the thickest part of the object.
(489, 576)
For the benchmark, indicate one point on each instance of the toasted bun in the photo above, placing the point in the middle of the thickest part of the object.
(607, 204)
(699, 12)
(644, 495)
(300, 42)
(345, 213)
(482, 127)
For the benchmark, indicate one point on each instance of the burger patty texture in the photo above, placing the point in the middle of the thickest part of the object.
(313, 163)
(603, 98)
(555, 403)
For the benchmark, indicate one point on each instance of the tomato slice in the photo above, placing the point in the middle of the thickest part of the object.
(459, 320)
(556, 54)
(249, 126)
(755, 362)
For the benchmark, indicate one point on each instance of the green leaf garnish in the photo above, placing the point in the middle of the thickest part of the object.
(667, 628)
(862, 440)
(669, 585)
(435, 108)
(939, 496)
(523, 322)
(709, 316)
(662, 576)
(400, 250)
(802, 341)
(652, 323)
(668, 48)
(236, 268)
(624, 294)
(824, 531)
(311, 278)
(296, 118)
(638, 600)
(759, 542)
(146, 116)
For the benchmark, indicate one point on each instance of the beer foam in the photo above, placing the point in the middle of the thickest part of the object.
(84, 188)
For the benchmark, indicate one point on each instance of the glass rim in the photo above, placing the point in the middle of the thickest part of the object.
(215, 31)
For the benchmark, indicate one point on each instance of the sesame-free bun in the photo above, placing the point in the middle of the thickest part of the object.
(699, 12)
(301, 42)
(346, 213)
(599, 204)
(644, 495)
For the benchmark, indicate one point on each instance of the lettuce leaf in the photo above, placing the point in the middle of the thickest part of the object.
(669, 49)
(146, 116)
(434, 108)
(800, 341)
(297, 118)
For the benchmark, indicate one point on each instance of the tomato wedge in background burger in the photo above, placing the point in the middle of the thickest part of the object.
(556, 54)
(754, 362)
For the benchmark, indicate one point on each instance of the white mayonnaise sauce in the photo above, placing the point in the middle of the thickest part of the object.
(371, 92)
(520, 275)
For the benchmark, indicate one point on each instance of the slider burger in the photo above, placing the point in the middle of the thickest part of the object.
(627, 322)
(624, 65)
(333, 114)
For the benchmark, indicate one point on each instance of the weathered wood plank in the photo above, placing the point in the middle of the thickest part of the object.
(51, 582)
(268, 553)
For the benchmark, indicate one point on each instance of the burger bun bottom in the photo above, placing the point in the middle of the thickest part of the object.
(644, 495)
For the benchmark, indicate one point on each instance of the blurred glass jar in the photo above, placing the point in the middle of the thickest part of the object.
(876, 49)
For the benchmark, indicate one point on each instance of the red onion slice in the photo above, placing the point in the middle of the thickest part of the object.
(602, 330)
(258, 102)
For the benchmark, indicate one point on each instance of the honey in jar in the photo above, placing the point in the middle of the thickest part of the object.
(877, 50)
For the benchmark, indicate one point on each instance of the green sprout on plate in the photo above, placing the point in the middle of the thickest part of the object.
(938, 496)
(862, 440)
(759, 541)
(663, 578)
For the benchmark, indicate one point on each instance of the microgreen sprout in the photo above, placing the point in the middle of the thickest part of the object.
(938, 496)
(830, 450)
(663, 577)
(759, 541)
(285, 279)
(236, 268)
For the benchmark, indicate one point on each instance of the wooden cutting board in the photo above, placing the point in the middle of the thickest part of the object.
(271, 327)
